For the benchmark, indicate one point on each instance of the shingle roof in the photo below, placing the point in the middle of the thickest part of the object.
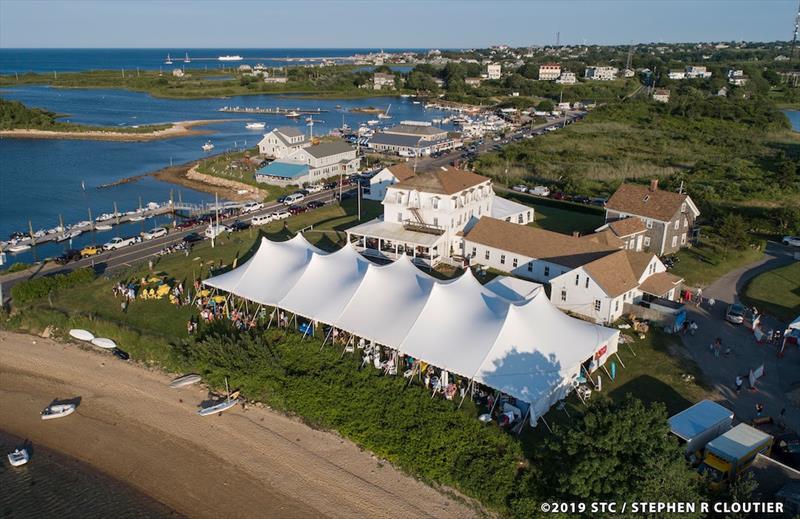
(613, 273)
(642, 201)
(326, 149)
(532, 242)
(410, 141)
(627, 227)
(604, 237)
(660, 283)
(411, 129)
(447, 181)
(401, 172)
(289, 131)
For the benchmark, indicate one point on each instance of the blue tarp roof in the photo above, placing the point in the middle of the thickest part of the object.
(283, 169)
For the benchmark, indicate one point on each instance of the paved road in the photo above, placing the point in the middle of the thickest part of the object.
(781, 374)
(139, 252)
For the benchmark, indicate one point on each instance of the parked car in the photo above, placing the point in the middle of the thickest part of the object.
(331, 185)
(294, 198)
(193, 237)
(581, 199)
(315, 204)
(239, 225)
(558, 195)
(520, 188)
(68, 255)
(123, 355)
(600, 202)
(281, 215)
(250, 207)
(794, 241)
(212, 231)
(316, 188)
(154, 233)
(787, 450)
(281, 199)
(118, 243)
(187, 223)
(735, 314)
(261, 219)
(304, 192)
(540, 191)
(90, 250)
(297, 209)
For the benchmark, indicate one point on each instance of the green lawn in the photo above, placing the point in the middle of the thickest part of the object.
(777, 292)
(557, 219)
(703, 264)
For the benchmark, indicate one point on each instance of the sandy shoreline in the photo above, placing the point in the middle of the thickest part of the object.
(178, 129)
(186, 175)
(246, 463)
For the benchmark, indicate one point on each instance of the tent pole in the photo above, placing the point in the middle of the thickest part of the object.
(588, 376)
(607, 373)
(522, 424)
(271, 315)
(619, 359)
(326, 337)
(631, 348)
(465, 393)
(413, 370)
(547, 425)
(496, 398)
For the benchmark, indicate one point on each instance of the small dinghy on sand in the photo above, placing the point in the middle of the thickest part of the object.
(19, 457)
(102, 342)
(186, 380)
(57, 411)
(222, 406)
(81, 335)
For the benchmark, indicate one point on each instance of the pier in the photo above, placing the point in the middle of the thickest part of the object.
(270, 111)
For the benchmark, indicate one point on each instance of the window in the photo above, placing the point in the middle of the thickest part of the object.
(502, 259)
(577, 279)
(683, 239)
(632, 244)
(677, 224)
(616, 305)
(649, 223)
(646, 241)
(400, 217)
(563, 296)
(546, 271)
(487, 254)
(674, 241)
(587, 281)
(436, 222)
(435, 203)
(530, 217)
(474, 251)
(530, 266)
(685, 222)
(597, 305)
(514, 262)
(520, 218)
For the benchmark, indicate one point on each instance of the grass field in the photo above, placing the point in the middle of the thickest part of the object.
(777, 292)
(705, 263)
(556, 219)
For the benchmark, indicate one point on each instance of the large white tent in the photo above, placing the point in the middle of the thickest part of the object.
(521, 345)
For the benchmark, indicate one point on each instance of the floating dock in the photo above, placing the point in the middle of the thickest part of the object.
(269, 111)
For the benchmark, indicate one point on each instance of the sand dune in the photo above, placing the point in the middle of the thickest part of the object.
(246, 463)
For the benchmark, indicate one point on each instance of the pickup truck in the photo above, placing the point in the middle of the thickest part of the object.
(252, 206)
(118, 243)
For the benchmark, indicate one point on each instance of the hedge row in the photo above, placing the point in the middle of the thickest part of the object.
(31, 290)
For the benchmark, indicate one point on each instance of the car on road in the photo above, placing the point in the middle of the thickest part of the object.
(540, 191)
(558, 195)
(68, 255)
(281, 199)
(794, 241)
(294, 198)
(581, 199)
(118, 243)
(735, 314)
(250, 207)
(316, 188)
(297, 209)
(239, 225)
(281, 215)
(90, 250)
(186, 223)
(122, 355)
(600, 202)
(152, 234)
(212, 231)
(261, 219)
(193, 237)
(314, 204)
(520, 188)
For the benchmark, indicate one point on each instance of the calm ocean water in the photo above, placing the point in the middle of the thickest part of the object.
(54, 485)
(794, 118)
(41, 180)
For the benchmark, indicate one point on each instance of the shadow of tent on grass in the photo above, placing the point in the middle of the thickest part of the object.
(650, 389)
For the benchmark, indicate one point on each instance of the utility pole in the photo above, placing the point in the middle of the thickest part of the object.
(794, 37)
(558, 38)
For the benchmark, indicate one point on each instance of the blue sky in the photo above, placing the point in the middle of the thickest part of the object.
(385, 23)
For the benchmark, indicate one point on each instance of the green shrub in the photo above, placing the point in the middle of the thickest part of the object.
(31, 290)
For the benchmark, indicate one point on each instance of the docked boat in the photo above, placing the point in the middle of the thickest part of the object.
(186, 380)
(20, 247)
(385, 115)
(137, 218)
(293, 114)
(186, 58)
(102, 342)
(373, 122)
(57, 411)
(168, 61)
(255, 126)
(103, 227)
(235, 57)
(222, 406)
(19, 457)
(208, 146)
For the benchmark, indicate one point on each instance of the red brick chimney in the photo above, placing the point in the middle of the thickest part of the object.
(654, 185)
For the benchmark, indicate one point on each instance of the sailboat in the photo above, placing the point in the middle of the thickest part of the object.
(208, 146)
(385, 115)
(168, 61)
(222, 406)
(186, 58)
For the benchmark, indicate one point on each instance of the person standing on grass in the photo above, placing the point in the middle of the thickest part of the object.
(759, 410)
(739, 382)
(699, 297)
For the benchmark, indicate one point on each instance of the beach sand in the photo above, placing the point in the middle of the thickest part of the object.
(245, 463)
(178, 129)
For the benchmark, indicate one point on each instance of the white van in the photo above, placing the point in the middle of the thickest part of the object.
(294, 198)
(261, 219)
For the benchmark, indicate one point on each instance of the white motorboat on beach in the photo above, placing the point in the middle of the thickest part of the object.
(186, 380)
(102, 342)
(19, 457)
(81, 334)
(208, 146)
(222, 406)
(255, 126)
(57, 411)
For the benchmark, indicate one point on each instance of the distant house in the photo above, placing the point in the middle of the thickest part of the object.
(601, 73)
(668, 216)
(690, 72)
(413, 138)
(387, 177)
(549, 71)
(661, 95)
(282, 141)
(567, 78)
(276, 79)
(311, 164)
(473, 81)
(626, 73)
(737, 78)
(245, 68)
(676, 74)
(493, 71)
(176, 72)
(382, 81)
(439, 82)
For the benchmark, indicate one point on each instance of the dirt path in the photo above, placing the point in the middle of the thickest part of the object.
(245, 463)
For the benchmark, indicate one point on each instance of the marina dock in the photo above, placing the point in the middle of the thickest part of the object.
(270, 111)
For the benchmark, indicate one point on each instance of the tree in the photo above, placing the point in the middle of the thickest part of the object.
(787, 172)
(620, 452)
(384, 69)
(545, 105)
(733, 231)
